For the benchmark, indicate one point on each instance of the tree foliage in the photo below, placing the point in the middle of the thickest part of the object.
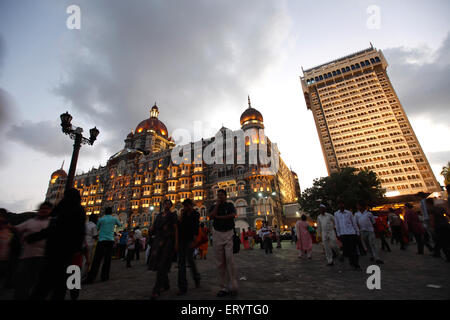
(348, 185)
(446, 173)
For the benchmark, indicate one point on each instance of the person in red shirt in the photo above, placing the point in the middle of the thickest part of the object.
(415, 226)
(381, 228)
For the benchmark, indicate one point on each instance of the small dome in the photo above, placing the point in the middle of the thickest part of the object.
(59, 173)
(251, 116)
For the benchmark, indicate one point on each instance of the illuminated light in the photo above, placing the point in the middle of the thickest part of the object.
(392, 193)
(139, 130)
(163, 132)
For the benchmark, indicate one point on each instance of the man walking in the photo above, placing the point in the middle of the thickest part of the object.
(223, 214)
(396, 226)
(104, 246)
(415, 226)
(365, 221)
(188, 231)
(90, 238)
(266, 238)
(348, 232)
(325, 230)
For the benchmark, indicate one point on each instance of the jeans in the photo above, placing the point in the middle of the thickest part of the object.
(102, 252)
(52, 279)
(130, 255)
(185, 252)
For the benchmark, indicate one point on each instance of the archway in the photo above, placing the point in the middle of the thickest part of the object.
(241, 225)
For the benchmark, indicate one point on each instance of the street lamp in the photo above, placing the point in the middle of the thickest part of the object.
(75, 134)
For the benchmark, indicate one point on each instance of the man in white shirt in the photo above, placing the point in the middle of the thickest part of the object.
(365, 221)
(348, 232)
(325, 230)
(266, 238)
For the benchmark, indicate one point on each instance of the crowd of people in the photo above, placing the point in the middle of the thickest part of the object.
(35, 254)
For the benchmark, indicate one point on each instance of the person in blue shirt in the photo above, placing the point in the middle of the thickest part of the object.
(104, 248)
(123, 244)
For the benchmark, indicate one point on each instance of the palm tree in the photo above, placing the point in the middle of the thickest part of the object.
(446, 173)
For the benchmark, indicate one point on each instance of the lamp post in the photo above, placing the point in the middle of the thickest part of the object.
(77, 135)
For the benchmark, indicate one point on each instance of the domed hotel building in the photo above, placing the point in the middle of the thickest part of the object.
(136, 180)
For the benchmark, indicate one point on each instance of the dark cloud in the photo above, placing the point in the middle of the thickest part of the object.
(189, 56)
(422, 79)
(46, 137)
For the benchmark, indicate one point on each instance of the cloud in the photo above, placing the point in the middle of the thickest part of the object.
(194, 58)
(46, 137)
(421, 79)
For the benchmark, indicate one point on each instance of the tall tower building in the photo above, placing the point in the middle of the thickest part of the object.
(361, 122)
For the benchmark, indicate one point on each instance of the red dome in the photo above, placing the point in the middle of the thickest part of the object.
(152, 124)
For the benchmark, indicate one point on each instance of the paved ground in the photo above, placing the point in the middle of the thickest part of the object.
(282, 276)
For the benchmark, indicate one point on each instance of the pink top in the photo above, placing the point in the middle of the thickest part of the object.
(304, 238)
(35, 249)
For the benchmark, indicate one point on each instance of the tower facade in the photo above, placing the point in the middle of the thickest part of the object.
(361, 122)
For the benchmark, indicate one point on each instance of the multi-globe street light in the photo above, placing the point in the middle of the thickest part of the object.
(77, 135)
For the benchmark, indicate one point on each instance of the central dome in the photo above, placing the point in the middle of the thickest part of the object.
(153, 123)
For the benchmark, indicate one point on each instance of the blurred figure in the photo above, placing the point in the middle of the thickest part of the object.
(164, 247)
(33, 255)
(138, 244)
(266, 238)
(104, 247)
(304, 241)
(188, 231)
(244, 239)
(65, 236)
(90, 239)
(381, 230)
(5, 242)
(347, 231)
(278, 235)
(441, 229)
(123, 244)
(396, 226)
(415, 226)
(325, 230)
(251, 237)
(131, 247)
(293, 235)
(202, 241)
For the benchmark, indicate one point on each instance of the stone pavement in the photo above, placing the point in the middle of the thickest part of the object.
(282, 276)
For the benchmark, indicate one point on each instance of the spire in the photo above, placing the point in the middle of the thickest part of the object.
(154, 111)
(62, 165)
(249, 103)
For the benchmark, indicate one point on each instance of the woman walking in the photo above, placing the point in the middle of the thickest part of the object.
(164, 247)
(304, 241)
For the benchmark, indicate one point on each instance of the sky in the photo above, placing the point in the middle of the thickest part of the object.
(199, 60)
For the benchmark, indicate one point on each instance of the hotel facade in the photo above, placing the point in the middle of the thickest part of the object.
(136, 180)
(361, 123)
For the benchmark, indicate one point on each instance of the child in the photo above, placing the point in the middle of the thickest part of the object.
(131, 245)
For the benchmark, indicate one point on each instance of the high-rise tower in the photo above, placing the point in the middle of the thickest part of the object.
(361, 122)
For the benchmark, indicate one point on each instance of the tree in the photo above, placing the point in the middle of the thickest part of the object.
(348, 185)
(446, 173)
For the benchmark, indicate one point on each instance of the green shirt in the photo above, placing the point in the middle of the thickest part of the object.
(106, 226)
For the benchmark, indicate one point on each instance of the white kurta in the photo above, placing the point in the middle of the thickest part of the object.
(325, 229)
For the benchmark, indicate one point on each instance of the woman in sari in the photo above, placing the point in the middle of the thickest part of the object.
(164, 247)
(304, 243)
